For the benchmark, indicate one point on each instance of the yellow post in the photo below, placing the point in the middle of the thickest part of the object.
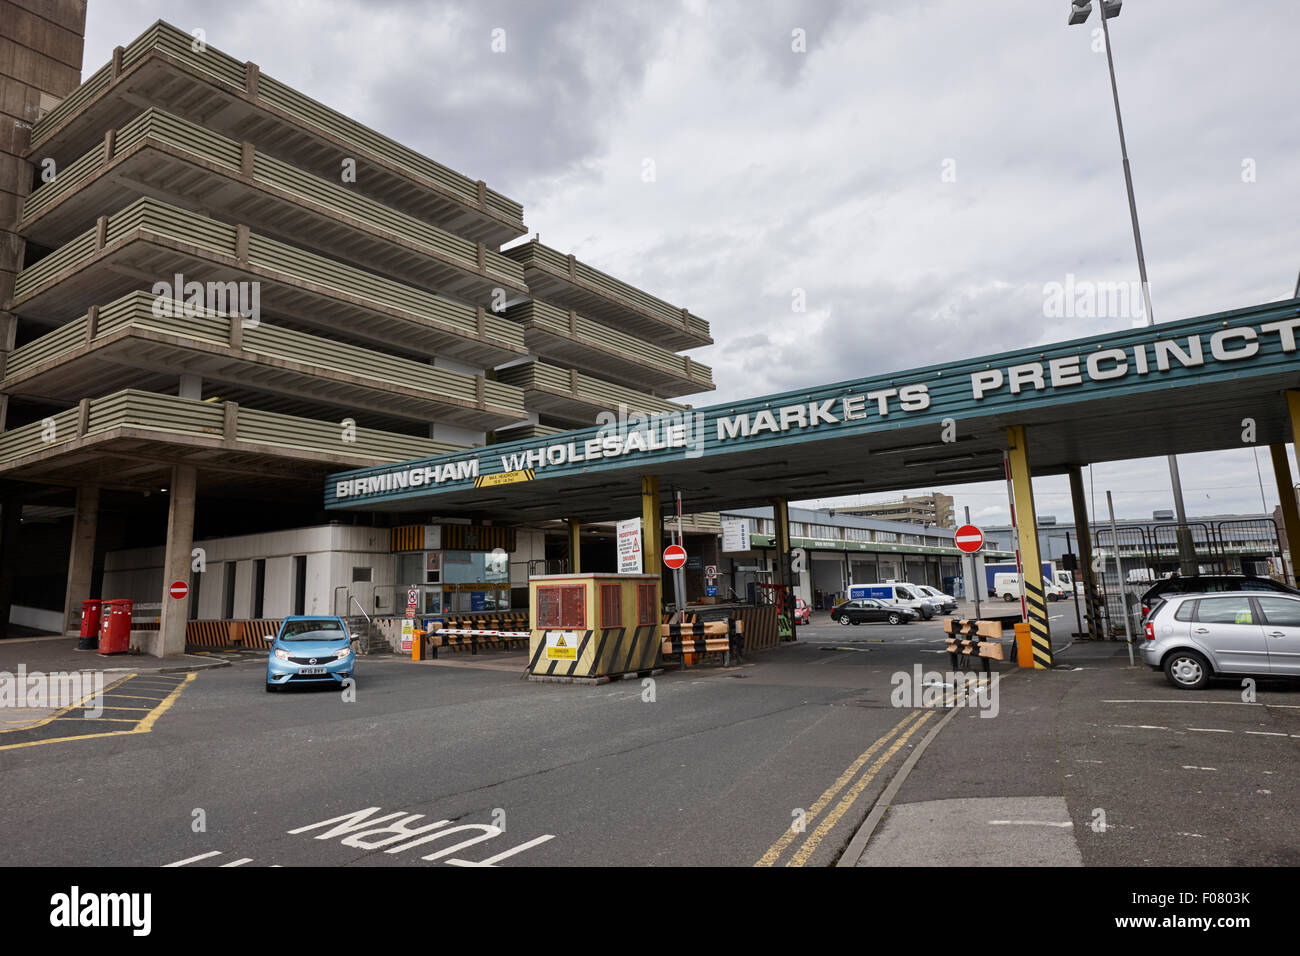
(651, 526)
(575, 546)
(1286, 493)
(1031, 564)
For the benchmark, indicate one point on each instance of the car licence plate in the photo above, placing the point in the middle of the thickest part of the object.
(311, 670)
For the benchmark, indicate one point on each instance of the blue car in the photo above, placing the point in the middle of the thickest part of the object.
(310, 650)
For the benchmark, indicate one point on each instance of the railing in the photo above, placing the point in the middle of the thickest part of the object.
(163, 38)
(171, 416)
(549, 318)
(207, 146)
(296, 265)
(538, 375)
(538, 256)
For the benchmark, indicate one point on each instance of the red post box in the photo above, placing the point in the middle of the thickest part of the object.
(90, 611)
(115, 627)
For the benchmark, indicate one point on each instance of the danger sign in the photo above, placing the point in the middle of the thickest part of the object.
(561, 645)
(179, 589)
(969, 539)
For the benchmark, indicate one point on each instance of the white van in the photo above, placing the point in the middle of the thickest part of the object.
(1007, 587)
(897, 594)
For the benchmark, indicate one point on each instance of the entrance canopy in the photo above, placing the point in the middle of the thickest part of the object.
(1201, 384)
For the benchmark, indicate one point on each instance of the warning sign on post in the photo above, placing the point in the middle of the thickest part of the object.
(561, 645)
(629, 546)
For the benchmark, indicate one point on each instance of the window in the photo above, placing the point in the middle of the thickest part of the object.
(562, 606)
(300, 584)
(647, 604)
(1280, 611)
(228, 609)
(611, 605)
(432, 567)
(1226, 610)
(259, 588)
(360, 575)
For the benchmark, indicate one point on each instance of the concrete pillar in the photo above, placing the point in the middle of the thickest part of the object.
(575, 546)
(1290, 512)
(11, 514)
(652, 524)
(176, 561)
(81, 557)
(1084, 549)
(1025, 520)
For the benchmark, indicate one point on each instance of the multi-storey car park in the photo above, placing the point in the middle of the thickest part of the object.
(223, 291)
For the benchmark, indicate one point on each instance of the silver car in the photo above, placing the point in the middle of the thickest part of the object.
(1195, 637)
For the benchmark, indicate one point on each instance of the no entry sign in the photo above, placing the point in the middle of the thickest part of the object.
(674, 556)
(179, 589)
(969, 539)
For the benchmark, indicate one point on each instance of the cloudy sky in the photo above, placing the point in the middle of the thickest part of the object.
(920, 170)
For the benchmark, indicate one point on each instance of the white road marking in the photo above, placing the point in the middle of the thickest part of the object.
(1028, 823)
(1263, 733)
(240, 862)
(1209, 730)
(1140, 726)
(1232, 703)
(194, 859)
(1189, 767)
(1200, 836)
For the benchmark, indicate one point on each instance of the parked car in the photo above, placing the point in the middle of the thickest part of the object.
(802, 612)
(1007, 587)
(895, 594)
(310, 650)
(869, 611)
(1207, 583)
(1196, 637)
(945, 603)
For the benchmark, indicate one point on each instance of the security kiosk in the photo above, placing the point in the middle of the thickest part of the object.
(593, 625)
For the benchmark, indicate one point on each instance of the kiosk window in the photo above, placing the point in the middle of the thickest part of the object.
(647, 605)
(562, 606)
(611, 605)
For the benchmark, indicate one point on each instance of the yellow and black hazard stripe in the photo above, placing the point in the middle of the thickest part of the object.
(408, 538)
(477, 537)
(1039, 635)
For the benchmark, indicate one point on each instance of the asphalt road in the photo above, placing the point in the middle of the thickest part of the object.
(706, 766)
(774, 762)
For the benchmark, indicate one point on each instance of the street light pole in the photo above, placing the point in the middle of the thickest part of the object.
(1082, 8)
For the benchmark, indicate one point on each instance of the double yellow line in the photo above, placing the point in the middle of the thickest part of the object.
(912, 722)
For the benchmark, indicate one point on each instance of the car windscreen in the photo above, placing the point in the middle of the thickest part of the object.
(324, 629)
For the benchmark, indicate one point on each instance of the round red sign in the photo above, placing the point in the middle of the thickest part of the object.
(179, 589)
(674, 556)
(969, 539)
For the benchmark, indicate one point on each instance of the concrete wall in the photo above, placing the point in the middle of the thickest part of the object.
(332, 551)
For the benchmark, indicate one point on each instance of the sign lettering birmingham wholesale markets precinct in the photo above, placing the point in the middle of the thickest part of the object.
(1261, 339)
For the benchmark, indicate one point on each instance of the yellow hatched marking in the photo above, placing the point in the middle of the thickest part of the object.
(143, 727)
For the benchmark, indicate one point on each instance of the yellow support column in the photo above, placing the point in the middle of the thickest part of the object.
(1031, 563)
(1286, 494)
(651, 526)
(783, 577)
(575, 546)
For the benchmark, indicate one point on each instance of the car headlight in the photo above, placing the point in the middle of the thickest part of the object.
(281, 653)
(342, 652)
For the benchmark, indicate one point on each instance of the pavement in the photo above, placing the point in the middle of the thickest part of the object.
(1101, 763)
(54, 653)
